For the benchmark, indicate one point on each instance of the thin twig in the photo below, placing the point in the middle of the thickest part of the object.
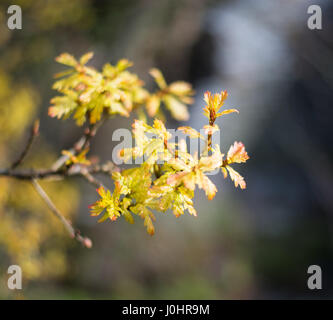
(81, 144)
(34, 133)
(57, 171)
(88, 176)
(29, 174)
(106, 168)
(72, 232)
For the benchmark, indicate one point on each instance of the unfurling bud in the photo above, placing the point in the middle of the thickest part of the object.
(87, 243)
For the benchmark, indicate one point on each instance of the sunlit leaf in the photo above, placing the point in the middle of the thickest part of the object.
(226, 112)
(86, 57)
(152, 105)
(180, 88)
(191, 132)
(208, 186)
(236, 177)
(67, 59)
(237, 153)
(158, 76)
(178, 109)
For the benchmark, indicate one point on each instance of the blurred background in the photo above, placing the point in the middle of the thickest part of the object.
(244, 244)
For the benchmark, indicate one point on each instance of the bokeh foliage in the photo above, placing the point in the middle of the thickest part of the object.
(29, 235)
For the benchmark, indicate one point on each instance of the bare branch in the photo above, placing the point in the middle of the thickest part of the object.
(58, 172)
(72, 232)
(29, 174)
(34, 133)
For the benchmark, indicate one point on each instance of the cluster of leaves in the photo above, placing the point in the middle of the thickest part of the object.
(175, 97)
(87, 93)
(76, 159)
(169, 175)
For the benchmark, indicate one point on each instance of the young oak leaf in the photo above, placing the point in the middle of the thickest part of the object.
(191, 132)
(77, 159)
(237, 153)
(66, 59)
(180, 88)
(193, 172)
(177, 109)
(151, 142)
(138, 180)
(125, 204)
(158, 77)
(113, 206)
(164, 197)
(227, 111)
(88, 93)
(215, 101)
(206, 184)
(86, 57)
(236, 178)
(148, 223)
(153, 104)
(175, 97)
(109, 204)
(211, 163)
(181, 200)
(122, 183)
(213, 105)
(62, 106)
(146, 215)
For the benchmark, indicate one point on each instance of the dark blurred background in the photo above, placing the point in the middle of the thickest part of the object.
(253, 243)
